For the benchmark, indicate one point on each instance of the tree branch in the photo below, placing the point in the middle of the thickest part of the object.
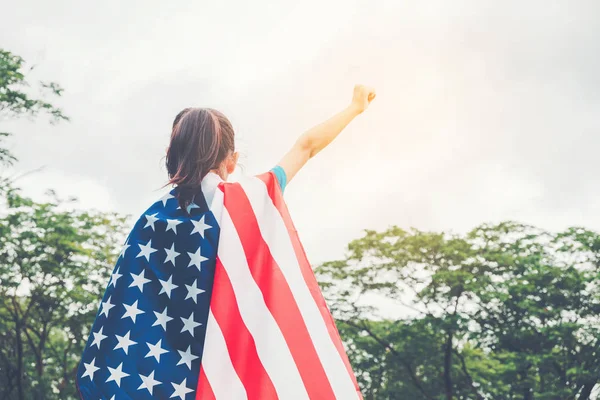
(468, 375)
(388, 346)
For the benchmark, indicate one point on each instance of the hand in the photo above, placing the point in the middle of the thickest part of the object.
(363, 96)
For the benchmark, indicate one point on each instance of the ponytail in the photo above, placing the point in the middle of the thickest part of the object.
(200, 140)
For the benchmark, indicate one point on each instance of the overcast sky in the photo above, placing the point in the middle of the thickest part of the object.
(486, 110)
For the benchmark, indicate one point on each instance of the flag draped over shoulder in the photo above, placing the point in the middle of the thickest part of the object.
(220, 303)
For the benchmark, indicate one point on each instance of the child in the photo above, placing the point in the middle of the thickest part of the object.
(212, 295)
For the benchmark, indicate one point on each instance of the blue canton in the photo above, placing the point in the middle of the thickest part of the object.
(148, 336)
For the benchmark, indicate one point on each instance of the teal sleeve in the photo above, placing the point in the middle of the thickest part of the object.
(281, 176)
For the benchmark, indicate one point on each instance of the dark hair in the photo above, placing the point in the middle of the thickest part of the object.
(201, 139)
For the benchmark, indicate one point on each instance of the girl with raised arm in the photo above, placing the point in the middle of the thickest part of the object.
(212, 295)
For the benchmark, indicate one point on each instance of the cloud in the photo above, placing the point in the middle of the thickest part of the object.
(486, 110)
(89, 193)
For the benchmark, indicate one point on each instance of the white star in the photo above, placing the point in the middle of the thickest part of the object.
(186, 357)
(196, 259)
(90, 369)
(132, 311)
(200, 227)
(171, 254)
(167, 286)
(124, 249)
(150, 220)
(189, 324)
(155, 350)
(106, 306)
(98, 338)
(116, 374)
(124, 342)
(162, 319)
(114, 277)
(181, 390)
(193, 291)
(148, 382)
(191, 207)
(172, 225)
(146, 250)
(166, 198)
(114, 396)
(139, 280)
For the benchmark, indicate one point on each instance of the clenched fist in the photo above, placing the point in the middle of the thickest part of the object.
(362, 97)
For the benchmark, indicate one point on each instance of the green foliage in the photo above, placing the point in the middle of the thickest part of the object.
(54, 264)
(507, 311)
(16, 100)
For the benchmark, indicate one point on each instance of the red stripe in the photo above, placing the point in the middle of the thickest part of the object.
(240, 344)
(309, 277)
(277, 294)
(204, 391)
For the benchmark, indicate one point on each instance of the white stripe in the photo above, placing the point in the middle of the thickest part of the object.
(270, 343)
(277, 237)
(210, 186)
(221, 375)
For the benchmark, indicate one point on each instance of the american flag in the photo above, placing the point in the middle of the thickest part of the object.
(220, 303)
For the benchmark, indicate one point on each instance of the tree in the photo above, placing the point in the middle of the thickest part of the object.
(507, 311)
(16, 100)
(54, 264)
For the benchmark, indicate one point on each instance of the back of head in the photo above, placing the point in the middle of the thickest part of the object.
(201, 139)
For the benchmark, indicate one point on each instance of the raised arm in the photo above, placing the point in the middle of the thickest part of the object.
(317, 138)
